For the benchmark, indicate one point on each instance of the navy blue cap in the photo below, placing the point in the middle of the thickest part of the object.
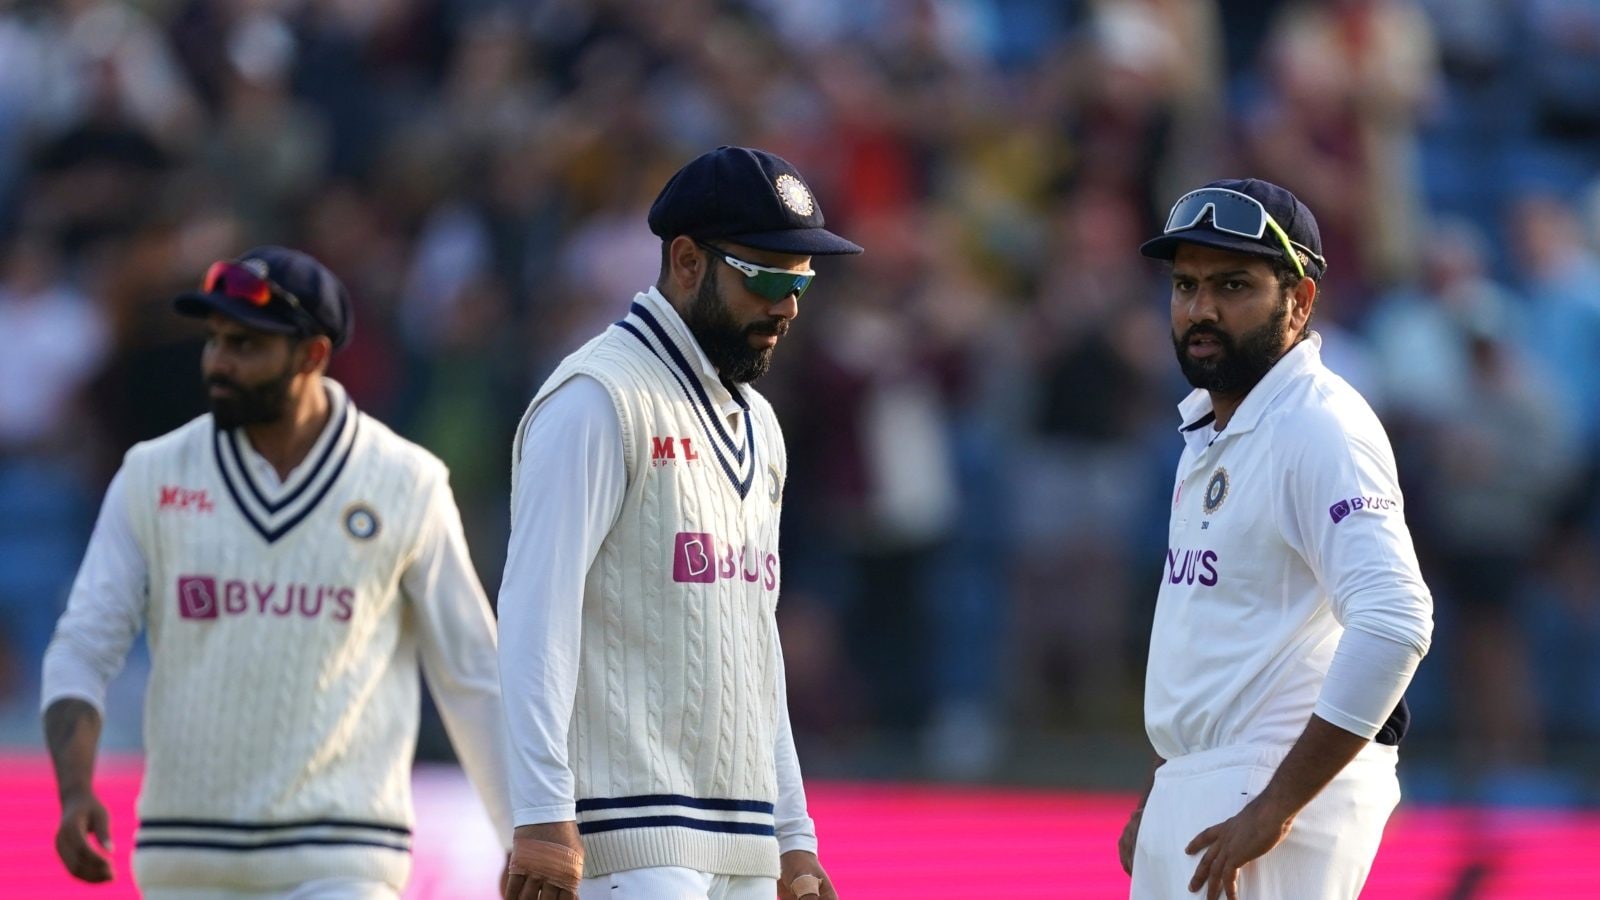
(1285, 208)
(748, 197)
(323, 298)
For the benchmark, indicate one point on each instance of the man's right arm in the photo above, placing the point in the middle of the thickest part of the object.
(104, 613)
(569, 488)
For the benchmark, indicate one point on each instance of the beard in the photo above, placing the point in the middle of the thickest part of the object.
(1242, 362)
(725, 342)
(260, 405)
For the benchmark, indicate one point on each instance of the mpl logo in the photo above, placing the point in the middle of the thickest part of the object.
(181, 498)
(699, 558)
(1342, 510)
(662, 450)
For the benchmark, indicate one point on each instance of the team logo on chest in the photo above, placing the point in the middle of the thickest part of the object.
(361, 522)
(1216, 490)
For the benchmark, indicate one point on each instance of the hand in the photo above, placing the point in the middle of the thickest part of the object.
(1247, 836)
(82, 814)
(1129, 839)
(546, 863)
(800, 863)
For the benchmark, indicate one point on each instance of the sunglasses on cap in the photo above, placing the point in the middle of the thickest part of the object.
(772, 285)
(234, 280)
(1236, 214)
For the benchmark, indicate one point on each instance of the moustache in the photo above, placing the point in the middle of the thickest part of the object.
(779, 328)
(1209, 331)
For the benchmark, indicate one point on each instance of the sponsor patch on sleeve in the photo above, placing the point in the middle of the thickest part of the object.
(1342, 510)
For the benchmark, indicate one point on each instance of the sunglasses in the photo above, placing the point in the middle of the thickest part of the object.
(234, 280)
(772, 285)
(1237, 214)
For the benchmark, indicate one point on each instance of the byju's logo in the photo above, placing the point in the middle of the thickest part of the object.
(1342, 510)
(699, 558)
(1189, 566)
(691, 558)
(197, 597)
(204, 597)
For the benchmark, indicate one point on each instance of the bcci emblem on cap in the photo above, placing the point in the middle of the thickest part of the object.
(1216, 490)
(794, 194)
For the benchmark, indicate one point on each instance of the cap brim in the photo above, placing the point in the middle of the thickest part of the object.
(1166, 246)
(199, 305)
(800, 241)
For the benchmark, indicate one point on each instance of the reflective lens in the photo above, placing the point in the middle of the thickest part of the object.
(1232, 212)
(766, 282)
(235, 280)
(775, 287)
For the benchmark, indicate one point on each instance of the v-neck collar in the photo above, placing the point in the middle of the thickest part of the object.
(656, 324)
(274, 508)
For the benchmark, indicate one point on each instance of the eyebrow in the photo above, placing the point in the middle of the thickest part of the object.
(1214, 276)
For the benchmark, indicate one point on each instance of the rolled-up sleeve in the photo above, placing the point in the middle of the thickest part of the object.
(1346, 516)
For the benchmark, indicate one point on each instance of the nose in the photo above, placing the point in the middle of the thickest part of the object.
(1201, 306)
(787, 308)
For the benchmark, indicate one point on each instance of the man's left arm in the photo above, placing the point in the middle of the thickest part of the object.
(456, 641)
(1343, 514)
(802, 876)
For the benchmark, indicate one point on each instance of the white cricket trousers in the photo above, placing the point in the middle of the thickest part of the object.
(674, 883)
(1329, 849)
(320, 889)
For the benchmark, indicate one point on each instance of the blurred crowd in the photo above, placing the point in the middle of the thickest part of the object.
(979, 410)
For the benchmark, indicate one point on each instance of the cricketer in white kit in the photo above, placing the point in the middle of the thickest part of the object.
(292, 561)
(1291, 614)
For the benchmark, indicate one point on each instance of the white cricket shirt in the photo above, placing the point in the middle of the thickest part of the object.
(1287, 529)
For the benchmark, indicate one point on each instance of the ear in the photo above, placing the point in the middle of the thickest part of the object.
(315, 353)
(1301, 302)
(689, 264)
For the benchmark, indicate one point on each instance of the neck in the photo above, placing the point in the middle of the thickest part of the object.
(1223, 406)
(286, 442)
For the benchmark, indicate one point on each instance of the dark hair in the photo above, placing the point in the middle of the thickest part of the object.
(1288, 280)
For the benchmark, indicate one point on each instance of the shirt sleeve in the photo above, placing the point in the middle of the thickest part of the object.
(796, 830)
(568, 493)
(1345, 516)
(1365, 681)
(456, 641)
(105, 610)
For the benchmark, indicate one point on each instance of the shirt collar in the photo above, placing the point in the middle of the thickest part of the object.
(264, 472)
(678, 332)
(1301, 358)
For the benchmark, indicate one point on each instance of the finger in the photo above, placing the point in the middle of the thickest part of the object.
(100, 822)
(1220, 873)
(1232, 885)
(513, 886)
(79, 857)
(1202, 871)
(1203, 840)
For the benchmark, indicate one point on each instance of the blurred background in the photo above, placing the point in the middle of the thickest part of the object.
(979, 410)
